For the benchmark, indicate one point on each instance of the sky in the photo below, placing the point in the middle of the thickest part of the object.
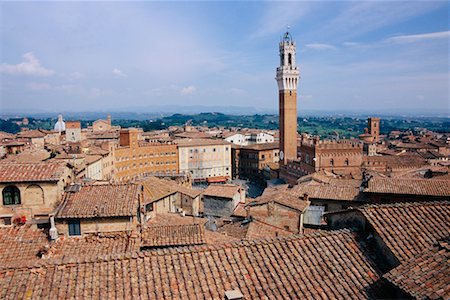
(375, 56)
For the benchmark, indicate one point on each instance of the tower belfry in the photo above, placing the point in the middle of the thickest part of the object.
(287, 79)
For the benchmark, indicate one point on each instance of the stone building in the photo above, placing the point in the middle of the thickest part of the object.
(99, 208)
(73, 131)
(31, 192)
(205, 159)
(220, 200)
(136, 159)
(339, 157)
(102, 125)
(33, 137)
(251, 160)
(287, 77)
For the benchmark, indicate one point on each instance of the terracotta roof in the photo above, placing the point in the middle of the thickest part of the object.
(31, 134)
(425, 276)
(321, 265)
(90, 159)
(94, 245)
(156, 189)
(409, 228)
(251, 230)
(20, 245)
(29, 155)
(173, 235)
(109, 200)
(328, 191)
(222, 190)
(31, 172)
(409, 186)
(284, 197)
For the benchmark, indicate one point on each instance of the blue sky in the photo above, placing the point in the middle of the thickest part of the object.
(376, 56)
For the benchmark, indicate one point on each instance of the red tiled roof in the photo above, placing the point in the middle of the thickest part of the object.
(409, 186)
(109, 200)
(283, 196)
(222, 190)
(328, 191)
(425, 276)
(173, 235)
(31, 172)
(93, 245)
(409, 228)
(20, 245)
(328, 265)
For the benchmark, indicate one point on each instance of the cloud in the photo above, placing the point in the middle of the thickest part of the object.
(419, 37)
(76, 76)
(306, 97)
(118, 73)
(30, 66)
(318, 46)
(188, 90)
(39, 86)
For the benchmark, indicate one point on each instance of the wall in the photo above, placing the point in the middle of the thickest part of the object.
(95, 170)
(96, 225)
(216, 206)
(205, 161)
(277, 215)
(135, 162)
(38, 200)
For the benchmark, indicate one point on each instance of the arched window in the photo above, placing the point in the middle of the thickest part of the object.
(346, 161)
(332, 162)
(11, 195)
(290, 59)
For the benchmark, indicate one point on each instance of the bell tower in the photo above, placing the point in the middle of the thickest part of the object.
(287, 79)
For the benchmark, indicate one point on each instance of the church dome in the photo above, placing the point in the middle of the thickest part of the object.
(60, 125)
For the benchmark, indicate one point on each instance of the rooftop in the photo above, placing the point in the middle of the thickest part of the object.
(31, 172)
(407, 229)
(109, 200)
(327, 264)
(427, 275)
(200, 142)
(409, 186)
(173, 235)
(222, 190)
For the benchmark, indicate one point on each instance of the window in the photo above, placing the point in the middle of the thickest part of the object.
(74, 227)
(11, 195)
(7, 220)
(346, 161)
(332, 162)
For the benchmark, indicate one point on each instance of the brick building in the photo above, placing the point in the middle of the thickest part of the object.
(251, 160)
(136, 159)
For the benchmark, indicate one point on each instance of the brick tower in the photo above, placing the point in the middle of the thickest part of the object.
(287, 78)
(374, 128)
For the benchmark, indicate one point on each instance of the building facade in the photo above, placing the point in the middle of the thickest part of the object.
(253, 159)
(287, 78)
(136, 159)
(205, 159)
(73, 131)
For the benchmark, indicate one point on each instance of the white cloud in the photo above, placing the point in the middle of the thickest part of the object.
(76, 76)
(35, 86)
(30, 66)
(306, 97)
(188, 90)
(419, 37)
(318, 46)
(118, 73)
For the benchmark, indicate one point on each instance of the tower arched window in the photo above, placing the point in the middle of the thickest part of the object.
(346, 161)
(332, 162)
(290, 59)
(11, 195)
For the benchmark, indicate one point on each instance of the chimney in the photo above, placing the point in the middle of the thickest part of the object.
(53, 231)
(109, 119)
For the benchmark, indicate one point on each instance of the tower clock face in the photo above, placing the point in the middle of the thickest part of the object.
(281, 155)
